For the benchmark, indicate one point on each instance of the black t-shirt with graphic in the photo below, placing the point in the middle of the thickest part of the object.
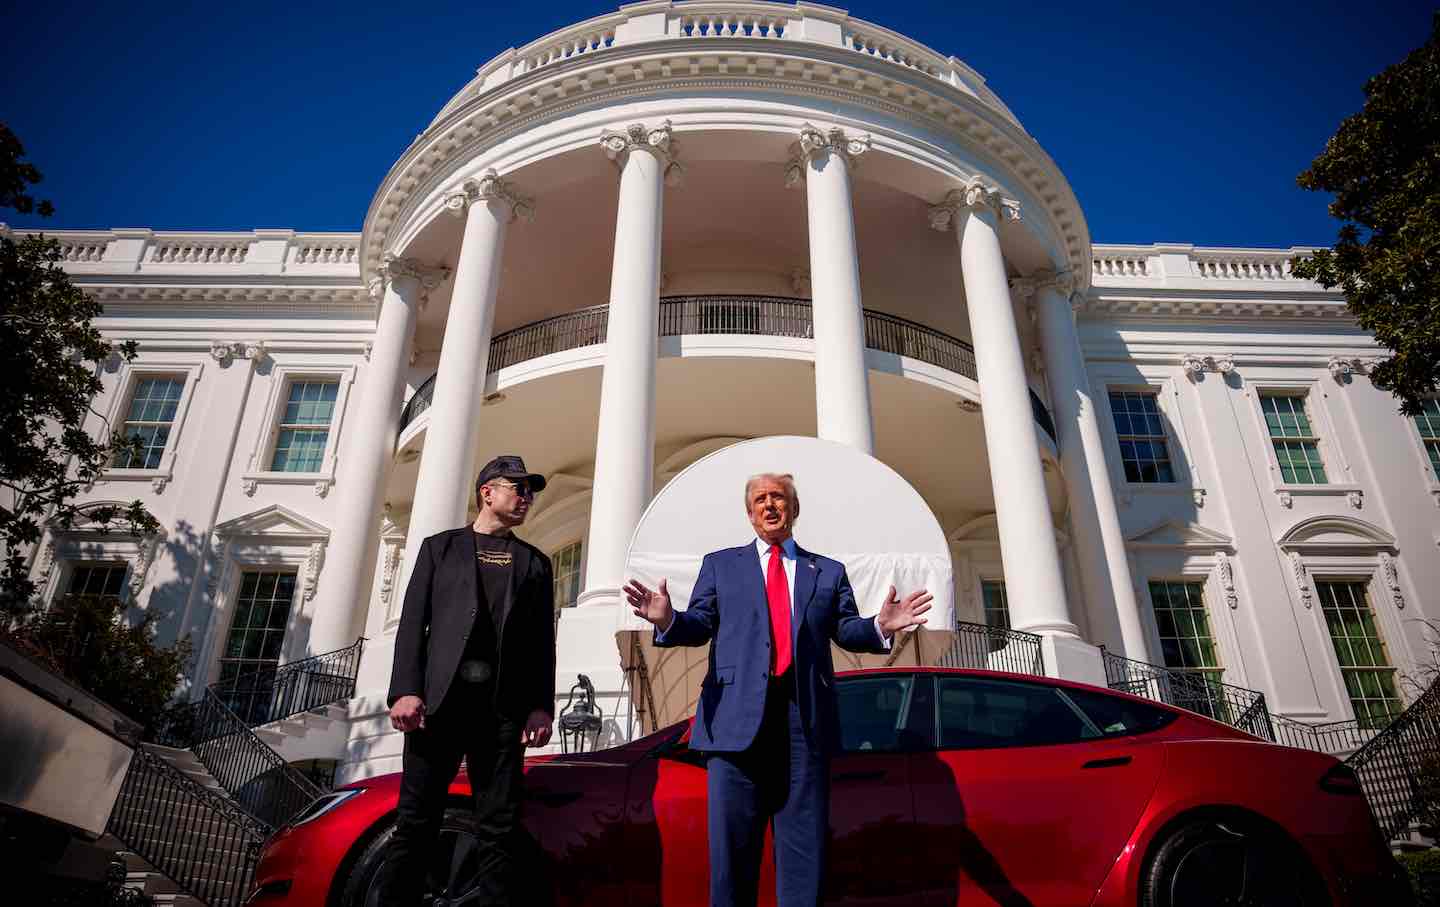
(497, 557)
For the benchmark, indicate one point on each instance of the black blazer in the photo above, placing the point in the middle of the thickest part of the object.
(439, 614)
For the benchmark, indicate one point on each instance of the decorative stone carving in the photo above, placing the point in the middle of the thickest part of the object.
(976, 193)
(45, 561)
(314, 561)
(1302, 580)
(489, 187)
(1196, 365)
(322, 487)
(657, 140)
(1062, 283)
(1197, 495)
(224, 352)
(367, 349)
(968, 405)
(1392, 578)
(812, 140)
(1287, 500)
(1356, 499)
(144, 556)
(1343, 368)
(393, 268)
(1225, 576)
(158, 484)
(248, 486)
(800, 281)
(220, 559)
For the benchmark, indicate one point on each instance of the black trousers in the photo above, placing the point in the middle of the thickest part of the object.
(468, 727)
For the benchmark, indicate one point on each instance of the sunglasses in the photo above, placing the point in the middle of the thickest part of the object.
(522, 488)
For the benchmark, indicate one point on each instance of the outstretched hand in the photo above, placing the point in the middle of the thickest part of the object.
(652, 605)
(896, 615)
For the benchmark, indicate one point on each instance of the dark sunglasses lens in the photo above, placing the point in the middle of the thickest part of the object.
(524, 490)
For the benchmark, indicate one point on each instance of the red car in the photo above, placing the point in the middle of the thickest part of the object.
(953, 787)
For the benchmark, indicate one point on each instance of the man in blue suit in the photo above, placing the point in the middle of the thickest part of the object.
(767, 719)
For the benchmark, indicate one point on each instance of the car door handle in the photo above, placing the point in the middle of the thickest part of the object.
(1113, 762)
(554, 799)
(861, 776)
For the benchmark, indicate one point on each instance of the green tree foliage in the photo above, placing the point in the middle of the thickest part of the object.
(1383, 167)
(54, 355)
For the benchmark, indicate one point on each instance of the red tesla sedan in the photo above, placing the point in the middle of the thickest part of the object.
(953, 787)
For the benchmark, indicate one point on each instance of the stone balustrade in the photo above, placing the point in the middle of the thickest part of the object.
(1122, 266)
(637, 23)
(239, 253)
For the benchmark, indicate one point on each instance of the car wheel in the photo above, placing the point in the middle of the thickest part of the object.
(452, 870)
(1221, 863)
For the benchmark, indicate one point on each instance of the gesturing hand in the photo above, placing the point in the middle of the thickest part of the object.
(654, 605)
(537, 729)
(897, 615)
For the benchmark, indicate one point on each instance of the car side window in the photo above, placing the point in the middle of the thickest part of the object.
(1115, 715)
(977, 713)
(874, 714)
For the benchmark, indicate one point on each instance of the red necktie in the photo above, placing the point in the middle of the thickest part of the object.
(777, 590)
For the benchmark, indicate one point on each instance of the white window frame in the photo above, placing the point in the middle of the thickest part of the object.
(1427, 473)
(257, 471)
(271, 538)
(1339, 472)
(130, 377)
(1159, 381)
(60, 550)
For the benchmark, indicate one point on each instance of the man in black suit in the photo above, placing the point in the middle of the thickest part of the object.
(474, 677)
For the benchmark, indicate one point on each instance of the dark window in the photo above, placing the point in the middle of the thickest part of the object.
(874, 713)
(1144, 451)
(1114, 715)
(981, 714)
(98, 580)
(247, 667)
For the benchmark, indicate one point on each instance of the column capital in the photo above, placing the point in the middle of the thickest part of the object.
(658, 140)
(489, 187)
(975, 194)
(1195, 365)
(1063, 283)
(833, 141)
(394, 268)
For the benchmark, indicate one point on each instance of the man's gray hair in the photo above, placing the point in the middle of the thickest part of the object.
(786, 480)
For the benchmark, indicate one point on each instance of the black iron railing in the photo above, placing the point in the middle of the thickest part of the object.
(1399, 768)
(260, 697)
(1194, 690)
(772, 316)
(1338, 738)
(201, 840)
(990, 648)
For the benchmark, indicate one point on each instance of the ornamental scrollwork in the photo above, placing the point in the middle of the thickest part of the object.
(394, 268)
(1225, 573)
(489, 187)
(1392, 578)
(226, 351)
(314, 561)
(1196, 365)
(976, 194)
(657, 140)
(1302, 580)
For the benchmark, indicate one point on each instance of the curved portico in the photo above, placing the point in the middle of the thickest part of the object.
(625, 293)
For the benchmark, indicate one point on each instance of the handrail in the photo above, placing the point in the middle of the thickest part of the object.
(168, 818)
(774, 316)
(298, 686)
(1399, 768)
(1332, 737)
(1236, 706)
(990, 648)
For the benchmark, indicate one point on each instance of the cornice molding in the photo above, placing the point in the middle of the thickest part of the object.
(657, 140)
(489, 187)
(976, 194)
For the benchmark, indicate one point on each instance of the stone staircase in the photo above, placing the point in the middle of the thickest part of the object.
(319, 733)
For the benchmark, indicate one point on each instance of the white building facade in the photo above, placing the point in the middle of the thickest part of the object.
(645, 237)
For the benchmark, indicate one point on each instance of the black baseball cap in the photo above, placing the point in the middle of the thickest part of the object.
(509, 467)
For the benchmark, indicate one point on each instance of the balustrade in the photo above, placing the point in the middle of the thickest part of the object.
(197, 251)
(1121, 266)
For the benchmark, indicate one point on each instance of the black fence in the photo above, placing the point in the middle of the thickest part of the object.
(988, 648)
(1399, 768)
(200, 839)
(1197, 691)
(1338, 738)
(260, 697)
(772, 316)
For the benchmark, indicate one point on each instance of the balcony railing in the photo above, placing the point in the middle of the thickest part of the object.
(1193, 690)
(264, 696)
(990, 648)
(769, 316)
(1338, 738)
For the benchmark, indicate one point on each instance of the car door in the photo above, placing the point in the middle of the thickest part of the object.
(1027, 799)
(883, 717)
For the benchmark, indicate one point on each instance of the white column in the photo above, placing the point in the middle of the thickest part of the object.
(447, 468)
(366, 453)
(625, 442)
(1034, 585)
(842, 384)
(1095, 521)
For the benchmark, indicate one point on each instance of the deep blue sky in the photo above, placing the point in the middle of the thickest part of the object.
(1174, 122)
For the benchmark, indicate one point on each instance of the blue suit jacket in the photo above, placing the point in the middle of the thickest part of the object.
(728, 609)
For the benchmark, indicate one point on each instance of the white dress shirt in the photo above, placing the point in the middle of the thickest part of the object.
(787, 554)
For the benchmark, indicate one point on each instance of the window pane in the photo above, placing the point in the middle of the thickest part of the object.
(1359, 651)
(1186, 642)
(976, 713)
(257, 636)
(153, 405)
(1144, 454)
(872, 712)
(1115, 715)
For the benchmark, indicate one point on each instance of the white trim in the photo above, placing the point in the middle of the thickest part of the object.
(1159, 380)
(1427, 472)
(130, 375)
(263, 447)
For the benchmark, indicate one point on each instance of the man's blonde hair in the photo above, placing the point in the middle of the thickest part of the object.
(786, 480)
